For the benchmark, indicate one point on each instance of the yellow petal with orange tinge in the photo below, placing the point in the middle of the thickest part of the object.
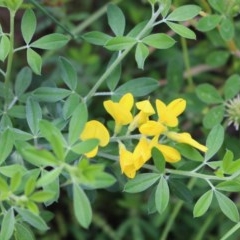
(186, 138)
(95, 129)
(170, 154)
(177, 106)
(152, 128)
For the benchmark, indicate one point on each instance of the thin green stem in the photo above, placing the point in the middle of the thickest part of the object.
(10, 57)
(174, 214)
(202, 231)
(231, 231)
(121, 56)
(20, 48)
(187, 63)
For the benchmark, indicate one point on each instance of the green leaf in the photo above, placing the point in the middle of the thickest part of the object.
(213, 117)
(7, 226)
(162, 195)
(3, 186)
(214, 141)
(37, 157)
(166, 4)
(203, 203)
(82, 207)
(208, 94)
(50, 94)
(23, 81)
(159, 41)
(50, 42)
(41, 196)
(68, 73)
(28, 25)
(227, 206)
(116, 19)
(189, 152)
(229, 186)
(141, 182)
(97, 38)
(227, 160)
(232, 86)
(208, 23)
(6, 144)
(70, 105)
(4, 47)
(218, 5)
(33, 115)
(11, 170)
(86, 146)
(233, 167)
(184, 13)
(17, 111)
(217, 58)
(137, 30)
(15, 181)
(22, 232)
(34, 61)
(77, 123)
(20, 135)
(145, 87)
(54, 137)
(32, 219)
(103, 180)
(158, 159)
(182, 30)
(141, 54)
(48, 177)
(114, 77)
(120, 43)
(226, 29)
(180, 190)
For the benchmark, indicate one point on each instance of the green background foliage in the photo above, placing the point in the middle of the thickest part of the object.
(59, 60)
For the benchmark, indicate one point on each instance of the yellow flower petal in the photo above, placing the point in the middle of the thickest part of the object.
(120, 111)
(186, 138)
(146, 107)
(142, 153)
(127, 101)
(177, 106)
(95, 129)
(151, 128)
(92, 153)
(126, 162)
(168, 114)
(170, 154)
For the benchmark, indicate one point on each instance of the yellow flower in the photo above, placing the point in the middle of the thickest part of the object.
(152, 128)
(120, 111)
(167, 115)
(95, 129)
(186, 138)
(146, 110)
(126, 162)
(131, 162)
(142, 152)
(170, 154)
